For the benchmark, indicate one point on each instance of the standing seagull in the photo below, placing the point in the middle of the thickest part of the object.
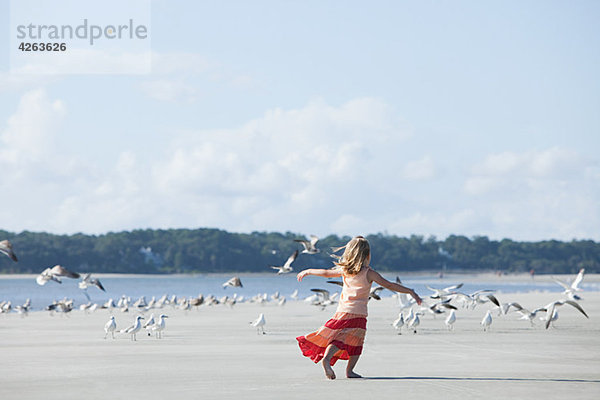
(133, 329)
(53, 274)
(486, 322)
(6, 248)
(110, 326)
(233, 282)
(309, 247)
(287, 267)
(451, 320)
(259, 323)
(159, 327)
(399, 323)
(414, 322)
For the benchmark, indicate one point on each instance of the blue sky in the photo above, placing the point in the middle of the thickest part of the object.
(465, 117)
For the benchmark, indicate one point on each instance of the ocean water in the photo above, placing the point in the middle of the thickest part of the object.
(18, 289)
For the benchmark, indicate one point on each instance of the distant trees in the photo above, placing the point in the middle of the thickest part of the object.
(213, 250)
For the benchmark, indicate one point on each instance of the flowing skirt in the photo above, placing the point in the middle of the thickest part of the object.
(344, 331)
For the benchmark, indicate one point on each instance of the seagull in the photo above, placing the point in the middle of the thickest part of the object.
(324, 298)
(399, 323)
(404, 300)
(374, 293)
(309, 247)
(287, 267)
(53, 274)
(573, 287)
(414, 322)
(486, 322)
(133, 329)
(87, 281)
(6, 248)
(503, 308)
(438, 308)
(148, 324)
(552, 308)
(110, 326)
(159, 327)
(294, 295)
(441, 293)
(451, 320)
(259, 323)
(530, 315)
(233, 282)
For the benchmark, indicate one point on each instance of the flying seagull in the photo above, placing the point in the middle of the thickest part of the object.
(310, 247)
(552, 306)
(287, 267)
(571, 288)
(233, 282)
(54, 274)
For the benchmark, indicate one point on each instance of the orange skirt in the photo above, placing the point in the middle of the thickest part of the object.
(344, 331)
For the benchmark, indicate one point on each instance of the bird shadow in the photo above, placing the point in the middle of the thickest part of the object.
(481, 379)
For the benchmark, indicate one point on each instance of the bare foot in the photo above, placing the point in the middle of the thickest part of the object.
(328, 370)
(352, 374)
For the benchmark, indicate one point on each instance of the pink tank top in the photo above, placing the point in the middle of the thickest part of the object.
(355, 293)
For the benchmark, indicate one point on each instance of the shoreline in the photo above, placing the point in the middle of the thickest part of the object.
(475, 276)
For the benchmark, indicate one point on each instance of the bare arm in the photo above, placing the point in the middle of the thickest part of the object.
(326, 273)
(374, 276)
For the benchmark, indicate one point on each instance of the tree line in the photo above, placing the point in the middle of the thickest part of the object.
(158, 251)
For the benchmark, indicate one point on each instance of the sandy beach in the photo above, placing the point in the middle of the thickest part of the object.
(213, 352)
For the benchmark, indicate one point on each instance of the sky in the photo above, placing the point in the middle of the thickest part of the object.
(319, 117)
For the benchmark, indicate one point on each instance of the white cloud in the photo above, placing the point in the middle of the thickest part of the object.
(177, 76)
(29, 134)
(169, 90)
(316, 169)
(550, 193)
(421, 169)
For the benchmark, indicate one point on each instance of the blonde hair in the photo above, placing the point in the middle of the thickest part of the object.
(356, 254)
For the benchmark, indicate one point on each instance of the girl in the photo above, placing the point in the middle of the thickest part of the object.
(342, 336)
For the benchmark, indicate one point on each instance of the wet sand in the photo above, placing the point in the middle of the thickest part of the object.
(213, 352)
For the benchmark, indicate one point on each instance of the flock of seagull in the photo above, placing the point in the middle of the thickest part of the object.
(444, 298)
(441, 301)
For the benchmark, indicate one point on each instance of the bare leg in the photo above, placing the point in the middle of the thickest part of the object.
(329, 352)
(350, 368)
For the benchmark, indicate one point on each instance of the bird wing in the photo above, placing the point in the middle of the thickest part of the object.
(577, 306)
(561, 283)
(578, 279)
(398, 281)
(336, 283)
(551, 308)
(290, 259)
(313, 240)
(303, 242)
(59, 270)
(97, 283)
(493, 299)
(450, 288)
(516, 306)
(432, 289)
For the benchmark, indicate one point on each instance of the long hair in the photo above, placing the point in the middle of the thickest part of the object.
(356, 253)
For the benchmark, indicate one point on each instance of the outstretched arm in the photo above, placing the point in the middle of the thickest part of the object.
(326, 273)
(374, 276)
